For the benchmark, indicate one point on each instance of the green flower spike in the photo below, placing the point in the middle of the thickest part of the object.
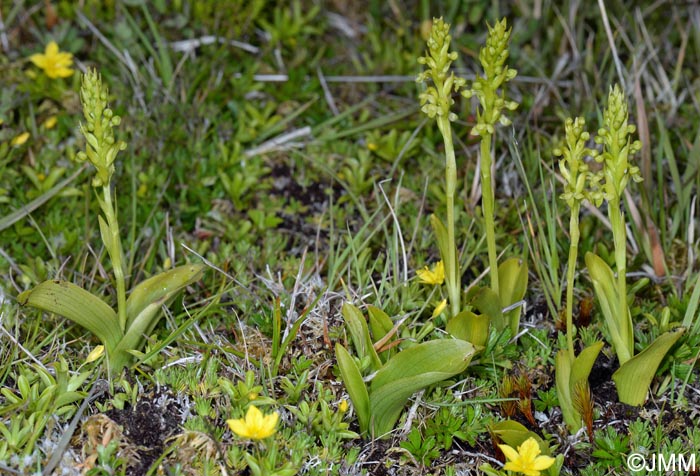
(580, 185)
(573, 168)
(493, 57)
(617, 146)
(436, 102)
(100, 121)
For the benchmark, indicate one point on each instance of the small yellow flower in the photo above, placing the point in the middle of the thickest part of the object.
(20, 139)
(439, 308)
(56, 64)
(343, 406)
(527, 459)
(372, 146)
(255, 425)
(50, 122)
(95, 354)
(434, 276)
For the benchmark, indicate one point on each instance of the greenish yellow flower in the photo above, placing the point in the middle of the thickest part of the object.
(580, 183)
(618, 146)
(101, 148)
(437, 99)
(526, 460)
(20, 139)
(439, 308)
(432, 276)
(493, 57)
(55, 63)
(255, 425)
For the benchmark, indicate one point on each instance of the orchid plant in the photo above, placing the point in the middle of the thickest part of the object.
(508, 281)
(580, 184)
(636, 371)
(122, 330)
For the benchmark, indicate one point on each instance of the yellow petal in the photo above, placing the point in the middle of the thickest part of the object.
(239, 427)
(95, 354)
(509, 452)
(20, 139)
(51, 49)
(439, 308)
(543, 462)
(50, 122)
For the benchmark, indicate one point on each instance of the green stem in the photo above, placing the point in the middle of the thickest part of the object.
(570, 272)
(115, 253)
(452, 274)
(487, 204)
(617, 221)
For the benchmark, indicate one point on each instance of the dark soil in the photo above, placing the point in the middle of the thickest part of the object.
(146, 426)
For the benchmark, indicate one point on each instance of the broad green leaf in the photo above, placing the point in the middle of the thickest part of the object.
(159, 289)
(74, 303)
(512, 282)
(568, 374)
(359, 332)
(352, 378)
(514, 434)
(381, 324)
(411, 370)
(583, 363)
(562, 374)
(489, 304)
(634, 377)
(471, 327)
(619, 326)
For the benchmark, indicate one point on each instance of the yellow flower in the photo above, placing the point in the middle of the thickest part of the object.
(372, 146)
(343, 406)
(20, 139)
(56, 64)
(255, 425)
(50, 122)
(439, 308)
(526, 460)
(434, 276)
(95, 354)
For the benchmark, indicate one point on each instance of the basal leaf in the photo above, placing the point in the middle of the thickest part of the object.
(74, 303)
(634, 377)
(411, 370)
(352, 378)
(159, 289)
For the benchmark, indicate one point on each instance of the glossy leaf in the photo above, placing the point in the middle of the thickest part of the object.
(469, 326)
(357, 390)
(410, 371)
(359, 332)
(159, 289)
(488, 303)
(568, 374)
(74, 303)
(619, 326)
(634, 377)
